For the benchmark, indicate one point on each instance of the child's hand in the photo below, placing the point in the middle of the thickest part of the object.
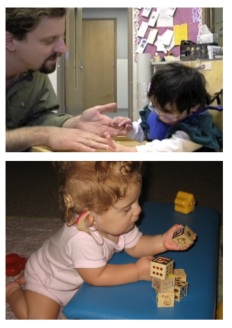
(169, 243)
(123, 122)
(144, 266)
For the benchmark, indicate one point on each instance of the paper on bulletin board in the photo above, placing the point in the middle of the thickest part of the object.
(180, 33)
(167, 37)
(152, 36)
(153, 18)
(143, 29)
(159, 44)
(141, 46)
(146, 12)
(165, 18)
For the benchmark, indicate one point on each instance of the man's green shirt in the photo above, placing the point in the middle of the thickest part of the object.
(31, 102)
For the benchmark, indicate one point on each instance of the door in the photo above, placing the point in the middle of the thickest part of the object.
(98, 40)
(71, 68)
(73, 62)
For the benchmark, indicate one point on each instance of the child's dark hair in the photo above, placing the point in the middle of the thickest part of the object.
(94, 186)
(179, 85)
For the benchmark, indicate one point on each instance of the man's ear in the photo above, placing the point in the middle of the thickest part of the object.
(10, 44)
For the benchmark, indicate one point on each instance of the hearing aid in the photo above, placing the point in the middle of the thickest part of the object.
(81, 224)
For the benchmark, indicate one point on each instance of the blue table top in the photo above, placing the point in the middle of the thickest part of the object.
(137, 300)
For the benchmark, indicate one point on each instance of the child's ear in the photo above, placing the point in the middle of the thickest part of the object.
(90, 219)
(10, 44)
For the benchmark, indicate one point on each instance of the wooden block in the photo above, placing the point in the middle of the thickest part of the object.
(183, 236)
(163, 286)
(165, 299)
(181, 290)
(184, 202)
(161, 267)
(180, 275)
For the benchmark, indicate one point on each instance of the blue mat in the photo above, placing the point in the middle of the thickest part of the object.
(137, 300)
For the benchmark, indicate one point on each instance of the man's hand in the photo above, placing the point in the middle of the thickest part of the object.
(59, 139)
(116, 147)
(94, 120)
(76, 140)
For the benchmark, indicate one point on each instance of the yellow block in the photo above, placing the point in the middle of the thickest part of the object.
(184, 202)
(219, 314)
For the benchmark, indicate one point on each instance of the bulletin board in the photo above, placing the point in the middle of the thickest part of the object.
(190, 18)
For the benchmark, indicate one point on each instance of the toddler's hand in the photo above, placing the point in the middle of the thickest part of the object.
(123, 123)
(169, 243)
(144, 266)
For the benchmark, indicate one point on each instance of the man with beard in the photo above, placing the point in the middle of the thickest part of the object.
(34, 41)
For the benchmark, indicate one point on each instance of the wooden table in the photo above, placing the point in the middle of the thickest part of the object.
(121, 140)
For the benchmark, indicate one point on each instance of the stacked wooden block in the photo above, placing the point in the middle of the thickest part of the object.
(170, 284)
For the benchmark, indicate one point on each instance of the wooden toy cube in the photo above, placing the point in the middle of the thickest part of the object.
(181, 290)
(184, 202)
(161, 267)
(164, 286)
(180, 275)
(183, 236)
(165, 299)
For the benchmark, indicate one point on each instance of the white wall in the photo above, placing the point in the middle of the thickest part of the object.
(122, 83)
(53, 78)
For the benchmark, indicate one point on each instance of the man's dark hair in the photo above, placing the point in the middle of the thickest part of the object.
(20, 21)
(179, 84)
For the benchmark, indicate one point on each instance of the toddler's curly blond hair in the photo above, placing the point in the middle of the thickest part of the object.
(94, 186)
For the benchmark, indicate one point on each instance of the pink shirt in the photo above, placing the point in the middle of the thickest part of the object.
(55, 262)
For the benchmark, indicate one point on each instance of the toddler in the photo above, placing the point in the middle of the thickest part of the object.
(177, 118)
(100, 205)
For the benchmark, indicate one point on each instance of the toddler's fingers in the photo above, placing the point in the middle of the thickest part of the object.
(124, 122)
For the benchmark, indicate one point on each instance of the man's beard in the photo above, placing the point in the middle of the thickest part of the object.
(49, 68)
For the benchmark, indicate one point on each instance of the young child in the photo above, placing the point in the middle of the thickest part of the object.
(177, 118)
(100, 205)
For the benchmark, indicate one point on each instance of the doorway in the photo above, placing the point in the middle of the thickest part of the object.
(98, 45)
(72, 67)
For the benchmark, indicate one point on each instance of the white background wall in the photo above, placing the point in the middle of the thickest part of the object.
(53, 78)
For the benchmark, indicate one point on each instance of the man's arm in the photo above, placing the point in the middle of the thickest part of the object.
(24, 138)
(55, 138)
